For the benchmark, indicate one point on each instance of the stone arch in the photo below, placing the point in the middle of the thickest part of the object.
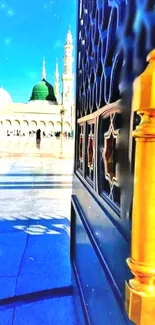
(25, 127)
(25, 123)
(50, 127)
(33, 126)
(16, 127)
(42, 125)
(16, 124)
(58, 127)
(7, 127)
(7, 123)
(67, 127)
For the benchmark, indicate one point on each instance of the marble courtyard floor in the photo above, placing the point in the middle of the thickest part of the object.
(35, 271)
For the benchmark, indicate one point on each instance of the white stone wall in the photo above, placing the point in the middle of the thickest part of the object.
(33, 122)
(29, 117)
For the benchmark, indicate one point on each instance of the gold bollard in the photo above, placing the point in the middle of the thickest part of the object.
(140, 291)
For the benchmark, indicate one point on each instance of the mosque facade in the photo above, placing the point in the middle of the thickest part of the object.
(47, 109)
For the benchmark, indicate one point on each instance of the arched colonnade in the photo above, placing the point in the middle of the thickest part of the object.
(25, 127)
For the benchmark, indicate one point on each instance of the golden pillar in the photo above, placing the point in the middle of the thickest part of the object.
(140, 291)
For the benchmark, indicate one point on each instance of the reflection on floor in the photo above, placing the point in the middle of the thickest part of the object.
(35, 272)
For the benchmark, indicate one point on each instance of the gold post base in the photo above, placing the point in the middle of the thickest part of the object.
(139, 306)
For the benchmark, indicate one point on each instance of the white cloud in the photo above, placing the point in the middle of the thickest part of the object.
(3, 5)
(8, 41)
(10, 12)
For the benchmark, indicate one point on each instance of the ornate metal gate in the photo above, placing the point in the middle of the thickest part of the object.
(113, 40)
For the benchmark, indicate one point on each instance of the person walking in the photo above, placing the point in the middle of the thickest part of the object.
(38, 134)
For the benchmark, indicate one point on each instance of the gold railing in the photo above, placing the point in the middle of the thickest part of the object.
(140, 291)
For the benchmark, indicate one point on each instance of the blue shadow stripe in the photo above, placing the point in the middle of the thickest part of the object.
(37, 183)
(13, 302)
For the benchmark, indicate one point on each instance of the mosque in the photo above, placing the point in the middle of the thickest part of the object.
(47, 109)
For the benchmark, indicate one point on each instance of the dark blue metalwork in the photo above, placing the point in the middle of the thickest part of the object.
(113, 40)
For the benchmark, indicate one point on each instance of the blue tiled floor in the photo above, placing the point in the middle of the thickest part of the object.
(6, 317)
(55, 311)
(7, 285)
(12, 245)
(34, 233)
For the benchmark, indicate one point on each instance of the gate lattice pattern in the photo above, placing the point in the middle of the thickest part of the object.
(113, 40)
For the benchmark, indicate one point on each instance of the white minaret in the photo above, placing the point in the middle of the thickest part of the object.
(44, 70)
(67, 77)
(56, 86)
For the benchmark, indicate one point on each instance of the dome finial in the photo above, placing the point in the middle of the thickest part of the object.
(69, 39)
(56, 86)
(44, 70)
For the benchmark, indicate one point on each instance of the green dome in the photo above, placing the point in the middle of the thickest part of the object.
(43, 91)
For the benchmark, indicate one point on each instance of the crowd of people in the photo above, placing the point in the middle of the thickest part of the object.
(33, 133)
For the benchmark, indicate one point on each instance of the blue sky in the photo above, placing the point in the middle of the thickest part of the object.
(30, 30)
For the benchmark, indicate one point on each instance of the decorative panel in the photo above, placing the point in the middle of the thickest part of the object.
(90, 154)
(80, 156)
(108, 181)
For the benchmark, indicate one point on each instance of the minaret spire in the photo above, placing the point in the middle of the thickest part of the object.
(69, 40)
(68, 78)
(56, 86)
(44, 70)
